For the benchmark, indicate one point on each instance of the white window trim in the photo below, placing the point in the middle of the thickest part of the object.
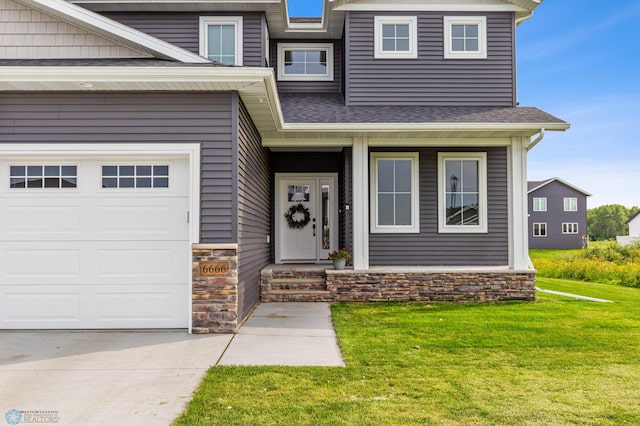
(236, 21)
(412, 21)
(58, 190)
(575, 202)
(566, 228)
(482, 226)
(134, 163)
(481, 22)
(328, 47)
(533, 230)
(537, 207)
(414, 228)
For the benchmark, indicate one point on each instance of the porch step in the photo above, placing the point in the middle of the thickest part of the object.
(299, 284)
(297, 296)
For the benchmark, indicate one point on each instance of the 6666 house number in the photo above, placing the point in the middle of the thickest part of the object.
(214, 269)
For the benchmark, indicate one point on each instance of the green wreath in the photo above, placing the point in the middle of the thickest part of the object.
(298, 224)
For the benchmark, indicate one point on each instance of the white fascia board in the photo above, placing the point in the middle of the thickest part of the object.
(301, 26)
(92, 21)
(426, 7)
(400, 127)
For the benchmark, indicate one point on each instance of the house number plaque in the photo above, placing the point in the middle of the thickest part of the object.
(214, 269)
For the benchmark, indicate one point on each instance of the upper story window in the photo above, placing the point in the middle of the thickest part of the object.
(396, 37)
(221, 39)
(305, 61)
(462, 192)
(465, 37)
(540, 204)
(394, 192)
(570, 204)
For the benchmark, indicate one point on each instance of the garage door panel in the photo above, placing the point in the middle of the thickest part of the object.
(85, 307)
(142, 219)
(32, 219)
(43, 263)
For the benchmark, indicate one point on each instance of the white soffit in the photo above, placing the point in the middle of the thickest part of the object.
(112, 30)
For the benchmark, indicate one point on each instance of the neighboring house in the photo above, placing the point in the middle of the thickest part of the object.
(150, 150)
(557, 214)
(634, 231)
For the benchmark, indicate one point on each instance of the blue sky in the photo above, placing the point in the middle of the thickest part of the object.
(579, 60)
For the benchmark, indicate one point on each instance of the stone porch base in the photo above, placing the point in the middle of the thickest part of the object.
(481, 284)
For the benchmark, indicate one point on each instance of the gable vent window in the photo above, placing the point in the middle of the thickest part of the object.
(221, 39)
(138, 176)
(396, 37)
(43, 176)
(305, 61)
(465, 37)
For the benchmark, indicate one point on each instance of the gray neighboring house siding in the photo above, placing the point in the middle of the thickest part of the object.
(430, 248)
(254, 211)
(311, 86)
(430, 79)
(204, 118)
(183, 30)
(555, 216)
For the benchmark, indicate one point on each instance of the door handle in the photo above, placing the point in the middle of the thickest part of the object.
(314, 226)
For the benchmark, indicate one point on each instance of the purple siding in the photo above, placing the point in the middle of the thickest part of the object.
(203, 118)
(555, 216)
(430, 79)
(311, 86)
(254, 218)
(429, 248)
(182, 29)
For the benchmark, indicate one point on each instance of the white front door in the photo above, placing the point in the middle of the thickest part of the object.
(306, 218)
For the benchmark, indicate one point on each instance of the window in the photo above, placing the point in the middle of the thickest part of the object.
(221, 39)
(394, 193)
(135, 176)
(465, 37)
(570, 204)
(569, 228)
(462, 192)
(540, 204)
(539, 229)
(396, 37)
(43, 176)
(305, 61)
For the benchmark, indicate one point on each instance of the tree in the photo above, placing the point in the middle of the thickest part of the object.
(608, 221)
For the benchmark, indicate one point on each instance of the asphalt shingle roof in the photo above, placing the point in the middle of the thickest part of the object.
(330, 108)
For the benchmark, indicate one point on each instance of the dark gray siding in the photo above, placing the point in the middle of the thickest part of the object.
(555, 216)
(254, 213)
(182, 29)
(430, 79)
(203, 118)
(311, 86)
(429, 248)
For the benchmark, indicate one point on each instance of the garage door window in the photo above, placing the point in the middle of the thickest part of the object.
(43, 176)
(135, 176)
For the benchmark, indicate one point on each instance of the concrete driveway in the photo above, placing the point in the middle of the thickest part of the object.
(103, 378)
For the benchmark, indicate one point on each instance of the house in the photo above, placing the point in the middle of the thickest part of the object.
(154, 148)
(634, 232)
(557, 214)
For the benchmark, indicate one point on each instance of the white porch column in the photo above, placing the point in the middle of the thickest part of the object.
(518, 209)
(360, 203)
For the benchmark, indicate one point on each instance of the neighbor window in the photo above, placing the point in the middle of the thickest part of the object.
(465, 37)
(569, 228)
(396, 37)
(539, 229)
(462, 192)
(135, 176)
(394, 192)
(305, 61)
(221, 39)
(540, 204)
(43, 176)
(570, 204)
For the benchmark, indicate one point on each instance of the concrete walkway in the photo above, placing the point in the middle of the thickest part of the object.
(286, 333)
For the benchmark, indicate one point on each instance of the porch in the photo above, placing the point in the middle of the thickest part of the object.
(321, 283)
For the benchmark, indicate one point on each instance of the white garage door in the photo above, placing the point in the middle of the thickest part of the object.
(94, 243)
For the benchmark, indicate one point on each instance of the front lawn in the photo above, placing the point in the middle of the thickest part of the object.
(554, 361)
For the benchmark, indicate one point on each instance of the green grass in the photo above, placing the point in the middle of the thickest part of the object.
(554, 361)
